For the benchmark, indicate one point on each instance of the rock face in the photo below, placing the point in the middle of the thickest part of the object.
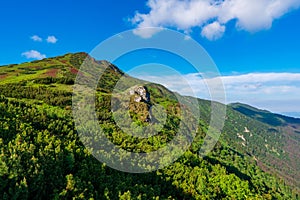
(140, 103)
(141, 94)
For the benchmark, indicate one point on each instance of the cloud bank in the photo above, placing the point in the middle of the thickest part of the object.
(278, 92)
(212, 15)
(33, 54)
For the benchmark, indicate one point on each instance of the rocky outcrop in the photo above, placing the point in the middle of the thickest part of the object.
(140, 103)
(140, 94)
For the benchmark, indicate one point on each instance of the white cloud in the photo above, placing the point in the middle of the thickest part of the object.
(187, 37)
(213, 31)
(36, 38)
(250, 15)
(146, 32)
(255, 88)
(33, 54)
(52, 39)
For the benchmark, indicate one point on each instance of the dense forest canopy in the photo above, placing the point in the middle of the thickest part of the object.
(42, 156)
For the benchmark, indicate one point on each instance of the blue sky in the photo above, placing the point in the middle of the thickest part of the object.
(248, 39)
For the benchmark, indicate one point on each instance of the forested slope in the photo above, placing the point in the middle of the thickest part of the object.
(42, 156)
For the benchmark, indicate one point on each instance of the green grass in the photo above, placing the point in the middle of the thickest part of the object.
(17, 77)
(235, 123)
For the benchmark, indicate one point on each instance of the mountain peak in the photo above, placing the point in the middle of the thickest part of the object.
(39, 95)
(63, 67)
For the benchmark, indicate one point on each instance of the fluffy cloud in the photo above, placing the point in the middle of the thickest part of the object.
(213, 15)
(213, 31)
(52, 39)
(34, 55)
(36, 38)
(255, 88)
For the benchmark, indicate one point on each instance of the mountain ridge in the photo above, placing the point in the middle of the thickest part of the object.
(46, 86)
(252, 111)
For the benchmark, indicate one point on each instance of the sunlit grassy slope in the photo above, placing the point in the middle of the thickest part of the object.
(42, 156)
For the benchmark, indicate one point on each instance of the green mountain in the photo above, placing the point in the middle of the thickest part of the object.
(42, 156)
(265, 116)
(278, 135)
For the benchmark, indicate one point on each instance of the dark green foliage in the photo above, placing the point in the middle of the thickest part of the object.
(48, 95)
(270, 138)
(77, 59)
(42, 156)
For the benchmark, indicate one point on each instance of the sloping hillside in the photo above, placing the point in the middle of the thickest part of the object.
(277, 143)
(42, 156)
(265, 116)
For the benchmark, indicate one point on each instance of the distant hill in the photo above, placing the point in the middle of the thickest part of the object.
(292, 114)
(42, 157)
(265, 116)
